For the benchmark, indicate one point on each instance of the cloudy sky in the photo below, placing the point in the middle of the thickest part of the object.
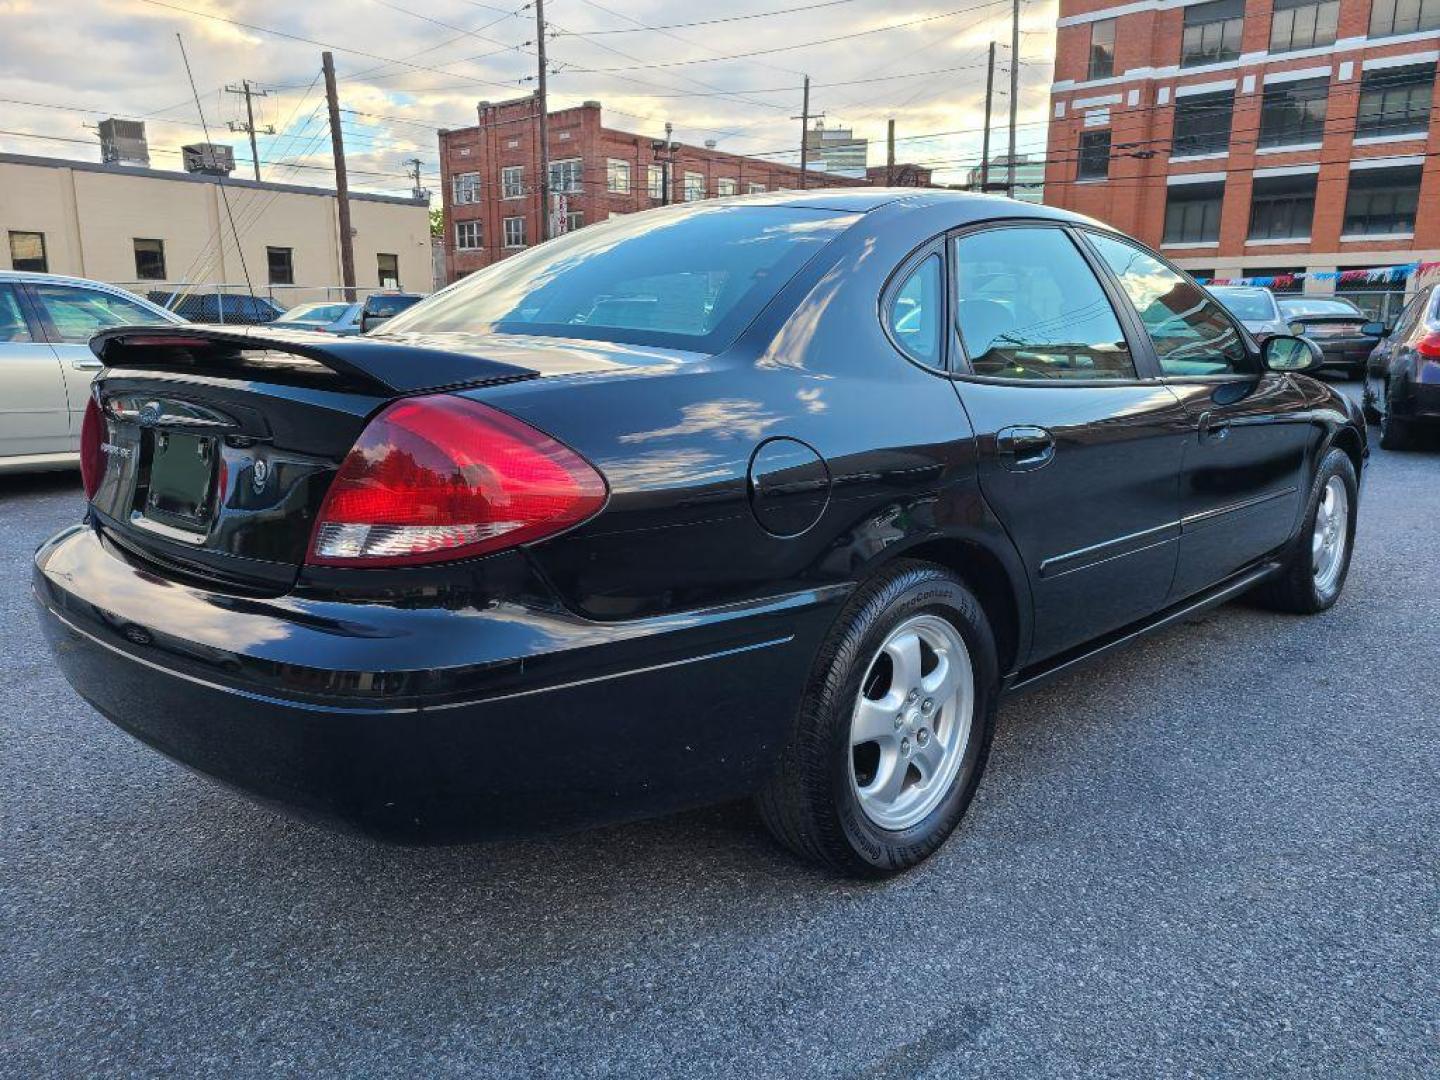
(407, 67)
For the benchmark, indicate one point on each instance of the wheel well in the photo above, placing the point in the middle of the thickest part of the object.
(1346, 439)
(985, 576)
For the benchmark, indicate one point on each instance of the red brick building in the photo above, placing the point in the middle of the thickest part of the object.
(1252, 137)
(491, 196)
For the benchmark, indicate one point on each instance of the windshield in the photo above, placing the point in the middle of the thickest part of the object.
(314, 313)
(1255, 305)
(1309, 306)
(690, 277)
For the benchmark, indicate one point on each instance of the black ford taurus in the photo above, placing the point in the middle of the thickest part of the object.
(767, 497)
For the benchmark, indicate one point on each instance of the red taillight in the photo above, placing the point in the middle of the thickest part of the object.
(443, 477)
(1429, 345)
(92, 457)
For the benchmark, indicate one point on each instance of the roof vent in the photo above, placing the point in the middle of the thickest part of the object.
(710, 144)
(122, 142)
(591, 104)
(209, 159)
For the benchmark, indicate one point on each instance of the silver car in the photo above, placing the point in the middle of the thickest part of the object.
(46, 322)
(1254, 306)
(333, 317)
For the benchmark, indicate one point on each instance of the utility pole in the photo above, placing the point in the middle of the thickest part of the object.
(985, 139)
(804, 133)
(342, 185)
(668, 164)
(418, 190)
(249, 126)
(890, 153)
(1014, 92)
(544, 107)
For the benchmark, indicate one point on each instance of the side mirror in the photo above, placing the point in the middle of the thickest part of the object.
(1375, 329)
(1298, 329)
(1291, 354)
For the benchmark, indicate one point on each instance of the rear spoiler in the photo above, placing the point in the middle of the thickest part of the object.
(394, 366)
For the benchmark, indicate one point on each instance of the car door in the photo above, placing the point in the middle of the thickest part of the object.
(1080, 444)
(1243, 482)
(34, 412)
(71, 315)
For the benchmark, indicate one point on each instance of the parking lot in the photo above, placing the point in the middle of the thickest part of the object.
(1212, 854)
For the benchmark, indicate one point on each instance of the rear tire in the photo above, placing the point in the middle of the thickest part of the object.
(1319, 560)
(1395, 434)
(829, 800)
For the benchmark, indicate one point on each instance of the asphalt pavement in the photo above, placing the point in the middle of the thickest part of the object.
(1214, 854)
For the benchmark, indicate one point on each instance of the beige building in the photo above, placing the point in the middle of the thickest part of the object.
(147, 229)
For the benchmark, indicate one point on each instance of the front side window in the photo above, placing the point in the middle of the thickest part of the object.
(13, 326)
(467, 188)
(565, 176)
(1395, 101)
(1212, 32)
(916, 312)
(512, 182)
(617, 176)
(467, 235)
(1202, 124)
(690, 278)
(514, 232)
(1303, 24)
(79, 314)
(1294, 112)
(1028, 306)
(388, 269)
(1192, 213)
(27, 252)
(1389, 17)
(1094, 163)
(1282, 207)
(1190, 331)
(280, 261)
(150, 260)
(1102, 49)
(1382, 201)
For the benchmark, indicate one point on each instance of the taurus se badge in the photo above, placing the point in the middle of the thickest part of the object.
(259, 474)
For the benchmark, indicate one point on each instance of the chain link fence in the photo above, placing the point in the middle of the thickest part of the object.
(228, 302)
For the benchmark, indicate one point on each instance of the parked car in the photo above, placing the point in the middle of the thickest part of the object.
(1336, 325)
(331, 317)
(222, 308)
(1379, 355)
(381, 307)
(46, 322)
(1254, 306)
(1404, 395)
(688, 505)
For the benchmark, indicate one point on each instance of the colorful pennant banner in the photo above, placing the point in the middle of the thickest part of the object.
(1378, 276)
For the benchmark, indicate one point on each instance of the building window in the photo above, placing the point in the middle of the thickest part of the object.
(1192, 213)
(1281, 207)
(1303, 24)
(1395, 101)
(467, 188)
(1094, 155)
(574, 220)
(1202, 124)
(1212, 32)
(754, 189)
(150, 260)
(1403, 17)
(1102, 49)
(27, 252)
(655, 181)
(617, 176)
(565, 176)
(514, 232)
(281, 264)
(1294, 112)
(512, 182)
(467, 235)
(694, 186)
(725, 186)
(388, 270)
(1382, 201)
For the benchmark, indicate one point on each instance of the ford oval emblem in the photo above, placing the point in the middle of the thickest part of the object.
(259, 475)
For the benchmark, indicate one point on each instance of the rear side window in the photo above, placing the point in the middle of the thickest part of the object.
(1028, 306)
(916, 311)
(1191, 332)
(12, 320)
(79, 314)
(690, 277)
(386, 306)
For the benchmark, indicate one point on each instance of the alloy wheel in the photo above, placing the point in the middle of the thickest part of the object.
(1327, 539)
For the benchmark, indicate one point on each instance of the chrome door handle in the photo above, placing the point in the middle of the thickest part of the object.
(1024, 448)
(1213, 429)
(86, 365)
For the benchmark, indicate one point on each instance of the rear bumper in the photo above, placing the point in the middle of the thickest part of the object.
(1415, 400)
(529, 719)
(1348, 353)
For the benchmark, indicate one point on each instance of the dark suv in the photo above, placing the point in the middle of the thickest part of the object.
(226, 308)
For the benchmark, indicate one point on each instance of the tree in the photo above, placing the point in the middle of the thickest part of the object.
(437, 223)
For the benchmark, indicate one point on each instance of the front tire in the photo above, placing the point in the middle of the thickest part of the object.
(894, 729)
(1319, 561)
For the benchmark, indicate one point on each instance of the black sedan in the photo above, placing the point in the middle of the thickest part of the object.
(1404, 393)
(770, 497)
(1341, 329)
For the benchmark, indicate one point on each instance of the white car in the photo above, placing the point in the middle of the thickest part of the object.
(46, 322)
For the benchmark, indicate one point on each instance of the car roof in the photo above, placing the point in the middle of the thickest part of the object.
(84, 283)
(965, 206)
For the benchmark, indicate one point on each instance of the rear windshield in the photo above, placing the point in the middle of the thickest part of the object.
(1318, 307)
(1250, 304)
(314, 313)
(387, 306)
(687, 277)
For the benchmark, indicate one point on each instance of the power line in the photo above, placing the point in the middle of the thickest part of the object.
(712, 22)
